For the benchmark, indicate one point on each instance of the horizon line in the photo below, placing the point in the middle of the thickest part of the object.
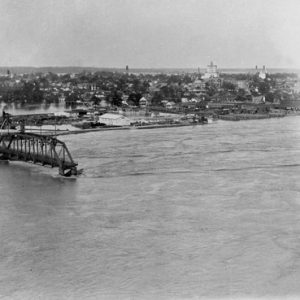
(131, 69)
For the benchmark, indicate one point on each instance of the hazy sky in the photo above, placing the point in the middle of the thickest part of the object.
(150, 33)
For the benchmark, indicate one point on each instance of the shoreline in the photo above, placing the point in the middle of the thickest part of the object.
(156, 126)
(245, 117)
(229, 117)
(126, 128)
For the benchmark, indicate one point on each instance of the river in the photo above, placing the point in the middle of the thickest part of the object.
(209, 211)
(26, 109)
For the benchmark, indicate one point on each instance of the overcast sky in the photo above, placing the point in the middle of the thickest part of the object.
(150, 33)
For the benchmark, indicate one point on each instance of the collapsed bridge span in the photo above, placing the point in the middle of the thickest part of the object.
(38, 149)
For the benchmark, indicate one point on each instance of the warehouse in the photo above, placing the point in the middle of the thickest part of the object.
(114, 120)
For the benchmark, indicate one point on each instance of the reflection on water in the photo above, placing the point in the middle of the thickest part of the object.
(24, 108)
(174, 213)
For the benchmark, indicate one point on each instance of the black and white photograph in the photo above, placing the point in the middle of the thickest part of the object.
(149, 149)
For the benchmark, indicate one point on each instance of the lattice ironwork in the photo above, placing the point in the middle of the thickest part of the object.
(40, 149)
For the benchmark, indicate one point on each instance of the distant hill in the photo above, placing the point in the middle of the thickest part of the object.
(23, 70)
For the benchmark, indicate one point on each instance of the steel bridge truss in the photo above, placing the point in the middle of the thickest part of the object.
(38, 149)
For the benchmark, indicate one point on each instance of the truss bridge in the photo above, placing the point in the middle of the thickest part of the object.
(38, 149)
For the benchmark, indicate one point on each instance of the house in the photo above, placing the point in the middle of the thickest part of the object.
(114, 120)
(258, 99)
(296, 87)
(197, 87)
(251, 108)
(243, 84)
(170, 105)
(184, 100)
(104, 103)
(164, 102)
(188, 105)
(143, 102)
(61, 98)
(124, 103)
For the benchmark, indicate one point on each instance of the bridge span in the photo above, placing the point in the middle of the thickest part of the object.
(38, 149)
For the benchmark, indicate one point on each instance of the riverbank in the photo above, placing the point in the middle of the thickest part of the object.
(59, 132)
(239, 117)
(66, 125)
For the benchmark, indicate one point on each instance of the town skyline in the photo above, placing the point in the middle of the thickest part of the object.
(123, 69)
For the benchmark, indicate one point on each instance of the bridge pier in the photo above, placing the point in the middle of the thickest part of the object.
(68, 172)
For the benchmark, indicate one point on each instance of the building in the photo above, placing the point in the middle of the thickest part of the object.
(258, 99)
(143, 102)
(170, 105)
(296, 88)
(61, 98)
(197, 87)
(103, 103)
(211, 71)
(262, 74)
(243, 84)
(114, 120)
(289, 103)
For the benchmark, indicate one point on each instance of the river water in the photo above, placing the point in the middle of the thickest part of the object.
(198, 212)
(18, 109)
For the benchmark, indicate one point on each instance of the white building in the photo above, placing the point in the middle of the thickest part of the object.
(170, 105)
(143, 102)
(258, 99)
(61, 98)
(211, 71)
(263, 73)
(114, 120)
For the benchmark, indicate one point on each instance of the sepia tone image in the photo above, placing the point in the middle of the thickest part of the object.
(149, 149)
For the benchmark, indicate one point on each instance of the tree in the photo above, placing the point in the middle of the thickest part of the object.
(229, 86)
(156, 99)
(95, 100)
(71, 98)
(211, 88)
(263, 87)
(269, 97)
(241, 95)
(116, 99)
(135, 98)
